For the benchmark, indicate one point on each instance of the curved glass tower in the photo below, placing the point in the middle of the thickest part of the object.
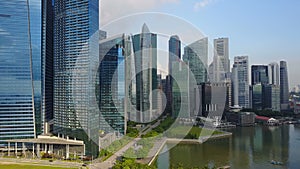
(20, 69)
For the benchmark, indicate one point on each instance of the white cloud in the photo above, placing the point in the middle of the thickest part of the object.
(202, 4)
(114, 9)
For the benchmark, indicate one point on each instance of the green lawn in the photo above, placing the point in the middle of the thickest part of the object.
(190, 132)
(19, 166)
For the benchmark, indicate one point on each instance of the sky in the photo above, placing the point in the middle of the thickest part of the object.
(265, 30)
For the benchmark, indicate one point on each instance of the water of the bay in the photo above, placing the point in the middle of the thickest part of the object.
(249, 147)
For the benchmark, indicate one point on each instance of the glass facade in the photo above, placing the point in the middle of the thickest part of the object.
(20, 65)
(145, 57)
(47, 64)
(76, 55)
(174, 56)
(257, 97)
(284, 86)
(259, 74)
(112, 85)
(195, 56)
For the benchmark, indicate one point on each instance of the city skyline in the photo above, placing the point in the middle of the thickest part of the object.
(260, 35)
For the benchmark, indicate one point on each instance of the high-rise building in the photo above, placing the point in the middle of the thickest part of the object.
(145, 57)
(174, 56)
(257, 96)
(174, 50)
(20, 53)
(76, 54)
(259, 74)
(181, 90)
(221, 60)
(274, 74)
(196, 56)
(240, 79)
(47, 67)
(271, 97)
(259, 79)
(284, 86)
(112, 85)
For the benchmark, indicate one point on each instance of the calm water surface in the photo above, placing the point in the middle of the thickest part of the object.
(249, 147)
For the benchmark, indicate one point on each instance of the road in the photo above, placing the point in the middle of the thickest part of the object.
(110, 162)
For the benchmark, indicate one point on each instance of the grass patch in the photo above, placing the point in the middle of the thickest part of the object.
(190, 133)
(114, 147)
(19, 166)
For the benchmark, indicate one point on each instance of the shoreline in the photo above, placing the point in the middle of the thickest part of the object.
(188, 141)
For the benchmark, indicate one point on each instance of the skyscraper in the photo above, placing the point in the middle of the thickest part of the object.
(284, 86)
(259, 74)
(271, 98)
(47, 67)
(274, 74)
(196, 56)
(221, 60)
(174, 56)
(240, 80)
(257, 96)
(259, 78)
(76, 54)
(174, 50)
(145, 57)
(181, 90)
(112, 81)
(20, 53)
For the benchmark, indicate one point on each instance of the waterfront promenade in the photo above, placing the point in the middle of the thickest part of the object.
(159, 144)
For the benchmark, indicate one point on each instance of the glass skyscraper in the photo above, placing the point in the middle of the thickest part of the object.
(113, 85)
(20, 65)
(76, 55)
(174, 56)
(259, 74)
(284, 86)
(195, 56)
(145, 57)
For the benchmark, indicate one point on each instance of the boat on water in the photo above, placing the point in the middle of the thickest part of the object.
(276, 162)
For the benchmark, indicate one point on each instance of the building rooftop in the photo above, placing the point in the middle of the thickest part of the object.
(48, 140)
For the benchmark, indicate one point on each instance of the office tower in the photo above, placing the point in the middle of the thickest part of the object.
(180, 90)
(241, 81)
(195, 56)
(274, 74)
(174, 50)
(259, 79)
(221, 60)
(145, 57)
(284, 86)
(112, 84)
(271, 97)
(76, 55)
(47, 67)
(259, 74)
(174, 56)
(20, 53)
(257, 96)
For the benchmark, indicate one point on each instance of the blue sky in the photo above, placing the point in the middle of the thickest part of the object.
(265, 30)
